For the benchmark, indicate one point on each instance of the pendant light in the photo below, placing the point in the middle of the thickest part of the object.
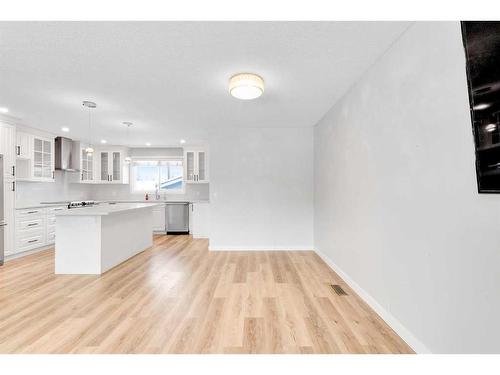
(128, 124)
(89, 105)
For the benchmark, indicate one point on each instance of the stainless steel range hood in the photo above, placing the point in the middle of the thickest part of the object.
(66, 155)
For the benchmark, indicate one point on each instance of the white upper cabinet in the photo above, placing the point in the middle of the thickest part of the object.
(196, 166)
(35, 157)
(87, 166)
(24, 145)
(112, 166)
(43, 159)
(7, 149)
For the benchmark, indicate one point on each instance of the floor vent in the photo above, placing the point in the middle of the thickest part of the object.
(338, 289)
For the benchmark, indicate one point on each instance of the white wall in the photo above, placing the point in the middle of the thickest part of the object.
(261, 186)
(396, 202)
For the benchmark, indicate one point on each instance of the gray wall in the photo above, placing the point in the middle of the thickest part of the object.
(396, 202)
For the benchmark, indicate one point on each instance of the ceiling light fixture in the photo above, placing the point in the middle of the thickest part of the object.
(246, 86)
(4, 110)
(65, 129)
(90, 105)
(103, 141)
(128, 124)
(148, 144)
(481, 106)
(182, 141)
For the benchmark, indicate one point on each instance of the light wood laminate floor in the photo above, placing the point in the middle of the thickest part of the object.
(178, 297)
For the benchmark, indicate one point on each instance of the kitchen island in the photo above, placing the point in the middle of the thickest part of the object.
(92, 240)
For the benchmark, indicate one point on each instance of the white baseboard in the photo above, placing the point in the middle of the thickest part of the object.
(259, 248)
(28, 252)
(390, 319)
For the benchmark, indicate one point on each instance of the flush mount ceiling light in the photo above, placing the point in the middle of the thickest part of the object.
(89, 105)
(65, 129)
(182, 141)
(4, 110)
(246, 86)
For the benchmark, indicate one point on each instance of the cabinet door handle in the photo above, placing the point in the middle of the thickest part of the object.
(53, 175)
(31, 241)
(32, 224)
(32, 212)
(14, 170)
(18, 150)
(13, 185)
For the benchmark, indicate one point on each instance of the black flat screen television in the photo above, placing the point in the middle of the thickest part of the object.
(482, 49)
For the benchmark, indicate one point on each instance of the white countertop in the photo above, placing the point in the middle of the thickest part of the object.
(161, 201)
(103, 209)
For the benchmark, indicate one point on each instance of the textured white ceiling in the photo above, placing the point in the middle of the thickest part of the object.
(170, 78)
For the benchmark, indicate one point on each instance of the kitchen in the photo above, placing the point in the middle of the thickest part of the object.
(46, 174)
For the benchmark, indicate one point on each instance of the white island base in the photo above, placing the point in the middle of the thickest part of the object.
(95, 239)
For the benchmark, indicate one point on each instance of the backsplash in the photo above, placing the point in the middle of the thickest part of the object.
(32, 193)
(105, 192)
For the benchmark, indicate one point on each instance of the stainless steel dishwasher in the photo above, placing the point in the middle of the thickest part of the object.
(177, 217)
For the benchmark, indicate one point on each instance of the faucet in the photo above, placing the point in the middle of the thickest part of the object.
(157, 192)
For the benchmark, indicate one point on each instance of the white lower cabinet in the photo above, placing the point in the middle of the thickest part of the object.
(35, 227)
(199, 220)
(159, 218)
(29, 229)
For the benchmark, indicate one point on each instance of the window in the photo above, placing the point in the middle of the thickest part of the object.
(166, 175)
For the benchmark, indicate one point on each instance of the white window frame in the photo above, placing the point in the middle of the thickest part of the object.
(133, 190)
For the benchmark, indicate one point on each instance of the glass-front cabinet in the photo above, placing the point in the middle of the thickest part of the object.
(196, 166)
(87, 166)
(43, 159)
(112, 167)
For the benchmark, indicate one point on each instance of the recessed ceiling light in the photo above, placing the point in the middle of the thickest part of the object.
(246, 86)
(65, 129)
(4, 110)
(148, 144)
(183, 141)
(490, 127)
(103, 141)
(481, 106)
